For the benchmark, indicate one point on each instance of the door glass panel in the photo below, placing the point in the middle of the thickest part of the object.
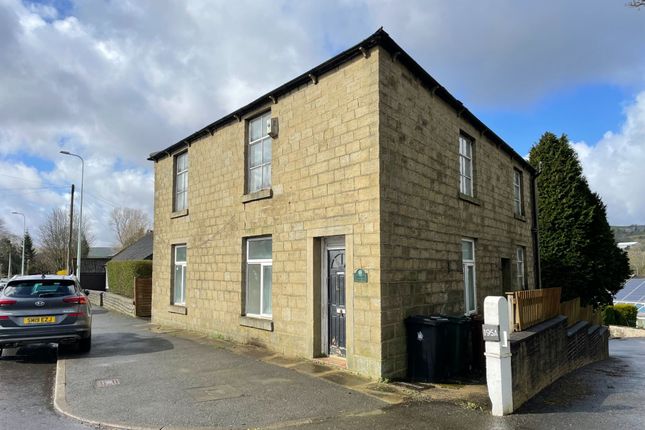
(253, 289)
(266, 292)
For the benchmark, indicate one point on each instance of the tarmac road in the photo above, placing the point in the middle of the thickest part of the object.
(26, 384)
(603, 395)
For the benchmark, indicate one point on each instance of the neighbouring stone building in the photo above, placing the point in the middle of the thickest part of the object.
(315, 219)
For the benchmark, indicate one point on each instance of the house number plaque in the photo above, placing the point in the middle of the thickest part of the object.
(360, 276)
(491, 332)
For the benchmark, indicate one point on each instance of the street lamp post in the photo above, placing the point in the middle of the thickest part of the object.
(24, 233)
(80, 215)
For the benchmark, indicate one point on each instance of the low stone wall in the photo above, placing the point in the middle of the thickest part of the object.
(620, 331)
(547, 351)
(113, 302)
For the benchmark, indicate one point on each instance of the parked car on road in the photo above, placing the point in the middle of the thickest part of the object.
(43, 309)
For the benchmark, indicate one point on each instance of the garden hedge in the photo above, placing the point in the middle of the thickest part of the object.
(121, 275)
(620, 314)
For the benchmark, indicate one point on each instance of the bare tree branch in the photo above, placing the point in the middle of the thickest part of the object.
(54, 237)
(636, 3)
(129, 225)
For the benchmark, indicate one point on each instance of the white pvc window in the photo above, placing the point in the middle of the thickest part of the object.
(517, 193)
(259, 267)
(520, 275)
(259, 154)
(179, 275)
(181, 182)
(465, 165)
(470, 288)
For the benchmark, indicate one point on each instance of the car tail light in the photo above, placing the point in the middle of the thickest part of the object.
(76, 314)
(80, 300)
(7, 302)
(3, 317)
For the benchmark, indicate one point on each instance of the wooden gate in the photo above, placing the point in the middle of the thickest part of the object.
(143, 297)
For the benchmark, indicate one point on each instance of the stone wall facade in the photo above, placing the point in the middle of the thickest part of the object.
(424, 218)
(325, 182)
(364, 152)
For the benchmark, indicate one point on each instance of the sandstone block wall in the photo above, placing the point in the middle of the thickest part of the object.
(423, 219)
(325, 173)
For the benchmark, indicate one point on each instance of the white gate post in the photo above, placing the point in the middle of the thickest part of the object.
(498, 355)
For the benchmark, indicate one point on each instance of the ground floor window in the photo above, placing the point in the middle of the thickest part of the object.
(468, 261)
(259, 265)
(179, 278)
(520, 276)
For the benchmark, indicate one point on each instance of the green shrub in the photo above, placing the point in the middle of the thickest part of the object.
(610, 316)
(628, 313)
(620, 314)
(121, 275)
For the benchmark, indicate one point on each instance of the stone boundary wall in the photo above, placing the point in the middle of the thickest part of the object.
(549, 350)
(620, 331)
(113, 302)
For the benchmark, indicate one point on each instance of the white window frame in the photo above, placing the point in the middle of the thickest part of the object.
(520, 275)
(518, 194)
(466, 160)
(265, 183)
(263, 262)
(469, 264)
(176, 205)
(183, 264)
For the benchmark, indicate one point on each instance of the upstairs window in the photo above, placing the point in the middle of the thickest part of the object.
(466, 165)
(259, 154)
(180, 198)
(518, 198)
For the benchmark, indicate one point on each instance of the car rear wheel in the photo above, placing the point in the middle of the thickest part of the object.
(85, 345)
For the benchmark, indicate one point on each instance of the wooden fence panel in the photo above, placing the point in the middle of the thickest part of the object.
(143, 296)
(532, 307)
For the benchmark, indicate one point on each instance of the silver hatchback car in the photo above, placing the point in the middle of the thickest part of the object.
(41, 309)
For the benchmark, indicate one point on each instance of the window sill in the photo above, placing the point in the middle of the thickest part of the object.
(179, 214)
(469, 199)
(177, 309)
(257, 195)
(519, 217)
(256, 322)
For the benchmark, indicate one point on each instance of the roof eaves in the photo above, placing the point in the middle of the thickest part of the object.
(305, 78)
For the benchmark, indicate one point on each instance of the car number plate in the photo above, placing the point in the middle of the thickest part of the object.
(39, 320)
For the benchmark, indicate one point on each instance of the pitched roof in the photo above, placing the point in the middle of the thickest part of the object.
(139, 250)
(100, 252)
(380, 38)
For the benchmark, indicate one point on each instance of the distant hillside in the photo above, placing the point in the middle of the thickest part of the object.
(629, 233)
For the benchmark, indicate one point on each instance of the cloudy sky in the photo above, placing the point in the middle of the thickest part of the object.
(115, 80)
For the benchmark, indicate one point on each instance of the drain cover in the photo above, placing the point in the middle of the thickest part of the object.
(102, 383)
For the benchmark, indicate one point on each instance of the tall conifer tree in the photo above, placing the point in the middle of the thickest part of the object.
(577, 247)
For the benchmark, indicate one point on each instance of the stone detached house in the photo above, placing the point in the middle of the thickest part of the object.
(315, 219)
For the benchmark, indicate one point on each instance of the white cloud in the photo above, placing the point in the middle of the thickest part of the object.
(614, 166)
(115, 81)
